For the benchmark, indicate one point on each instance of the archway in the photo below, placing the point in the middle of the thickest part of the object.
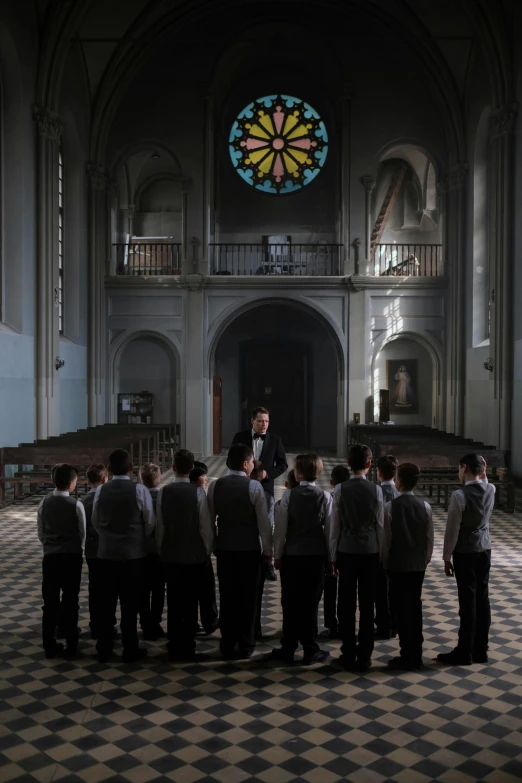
(284, 357)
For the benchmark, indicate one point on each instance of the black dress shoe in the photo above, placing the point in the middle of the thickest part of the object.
(318, 657)
(402, 664)
(383, 633)
(455, 658)
(61, 634)
(181, 657)
(285, 656)
(480, 657)
(135, 655)
(346, 663)
(54, 652)
(271, 573)
(70, 653)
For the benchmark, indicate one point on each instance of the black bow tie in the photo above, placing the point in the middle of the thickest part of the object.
(257, 436)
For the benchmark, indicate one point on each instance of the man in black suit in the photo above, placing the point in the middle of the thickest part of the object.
(269, 450)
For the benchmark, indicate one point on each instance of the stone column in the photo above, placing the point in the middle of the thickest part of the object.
(208, 181)
(97, 331)
(196, 375)
(47, 338)
(187, 264)
(347, 267)
(369, 184)
(501, 168)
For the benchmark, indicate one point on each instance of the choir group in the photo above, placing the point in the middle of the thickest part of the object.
(363, 545)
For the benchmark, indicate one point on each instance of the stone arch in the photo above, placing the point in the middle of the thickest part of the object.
(480, 251)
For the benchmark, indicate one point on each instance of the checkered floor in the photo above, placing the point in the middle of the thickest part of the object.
(83, 722)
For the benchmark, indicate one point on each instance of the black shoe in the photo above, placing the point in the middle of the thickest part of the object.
(160, 633)
(318, 657)
(209, 630)
(393, 633)
(333, 632)
(135, 655)
(104, 657)
(243, 655)
(150, 635)
(480, 657)
(70, 653)
(382, 633)
(402, 664)
(285, 656)
(181, 657)
(228, 654)
(271, 573)
(455, 658)
(258, 636)
(346, 663)
(61, 634)
(54, 652)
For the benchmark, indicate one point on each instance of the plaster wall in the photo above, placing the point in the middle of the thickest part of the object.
(517, 287)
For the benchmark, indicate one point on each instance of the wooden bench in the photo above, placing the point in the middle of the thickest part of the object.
(445, 486)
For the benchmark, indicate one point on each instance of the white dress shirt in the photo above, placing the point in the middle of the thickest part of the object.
(335, 530)
(258, 500)
(387, 537)
(206, 530)
(456, 506)
(143, 499)
(257, 445)
(281, 520)
(80, 515)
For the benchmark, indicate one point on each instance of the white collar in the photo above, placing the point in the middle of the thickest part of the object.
(307, 483)
(390, 483)
(474, 481)
(124, 478)
(358, 477)
(181, 480)
(93, 489)
(61, 493)
(409, 492)
(236, 473)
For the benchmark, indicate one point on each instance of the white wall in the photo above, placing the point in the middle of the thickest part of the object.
(147, 364)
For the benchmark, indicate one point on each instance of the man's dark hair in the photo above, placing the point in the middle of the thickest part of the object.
(62, 475)
(339, 474)
(387, 466)
(238, 453)
(473, 463)
(183, 461)
(96, 473)
(359, 456)
(201, 466)
(290, 477)
(196, 474)
(309, 466)
(408, 474)
(259, 409)
(120, 462)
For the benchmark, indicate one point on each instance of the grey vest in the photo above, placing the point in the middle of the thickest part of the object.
(60, 525)
(91, 538)
(182, 542)
(474, 527)
(237, 529)
(306, 517)
(389, 492)
(409, 528)
(358, 511)
(121, 525)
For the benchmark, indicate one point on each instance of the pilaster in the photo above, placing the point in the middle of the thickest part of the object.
(369, 185)
(346, 167)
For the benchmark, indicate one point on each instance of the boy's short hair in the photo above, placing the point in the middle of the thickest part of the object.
(473, 462)
(359, 456)
(120, 462)
(408, 474)
(201, 466)
(96, 473)
(291, 480)
(259, 409)
(339, 474)
(183, 461)
(257, 473)
(195, 474)
(238, 453)
(63, 474)
(387, 466)
(150, 475)
(309, 466)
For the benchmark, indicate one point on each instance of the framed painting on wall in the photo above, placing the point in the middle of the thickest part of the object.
(403, 385)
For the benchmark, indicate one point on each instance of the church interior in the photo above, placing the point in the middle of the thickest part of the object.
(313, 207)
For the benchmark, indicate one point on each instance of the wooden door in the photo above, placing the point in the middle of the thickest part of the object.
(217, 414)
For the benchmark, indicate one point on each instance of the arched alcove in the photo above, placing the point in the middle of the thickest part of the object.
(480, 327)
(146, 362)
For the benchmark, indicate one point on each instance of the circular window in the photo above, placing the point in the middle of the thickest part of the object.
(278, 144)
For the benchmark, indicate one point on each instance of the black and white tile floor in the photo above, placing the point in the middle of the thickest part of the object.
(82, 722)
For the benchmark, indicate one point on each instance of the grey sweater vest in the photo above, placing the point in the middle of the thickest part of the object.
(121, 525)
(182, 542)
(60, 525)
(409, 528)
(91, 538)
(474, 527)
(306, 517)
(237, 529)
(389, 492)
(358, 511)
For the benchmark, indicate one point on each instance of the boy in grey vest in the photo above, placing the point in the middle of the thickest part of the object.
(153, 586)
(243, 543)
(208, 610)
(257, 475)
(184, 537)
(385, 615)
(339, 474)
(407, 550)
(302, 530)
(355, 547)
(123, 516)
(96, 476)
(467, 542)
(61, 530)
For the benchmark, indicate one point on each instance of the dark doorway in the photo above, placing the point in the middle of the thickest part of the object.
(275, 375)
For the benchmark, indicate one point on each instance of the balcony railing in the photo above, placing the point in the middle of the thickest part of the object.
(407, 260)
(147, 258)
(286, 259)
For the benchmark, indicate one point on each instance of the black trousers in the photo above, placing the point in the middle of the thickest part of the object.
(239, 575)
(406, 589)
(184, 586)
(120, 579)
(207, 600)
(60, 572)
(357, 580)
(302, 583)
(385, 614)
(472, 575)
(152, 598)
(96, 596)
(330, 602)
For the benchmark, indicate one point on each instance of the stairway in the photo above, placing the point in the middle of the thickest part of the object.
(387, 206)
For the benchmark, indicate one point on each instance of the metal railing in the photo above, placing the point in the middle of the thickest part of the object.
(147, 258)
(407, 260)
(286, 259)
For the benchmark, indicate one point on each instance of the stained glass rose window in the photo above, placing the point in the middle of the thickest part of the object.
(278, 144)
